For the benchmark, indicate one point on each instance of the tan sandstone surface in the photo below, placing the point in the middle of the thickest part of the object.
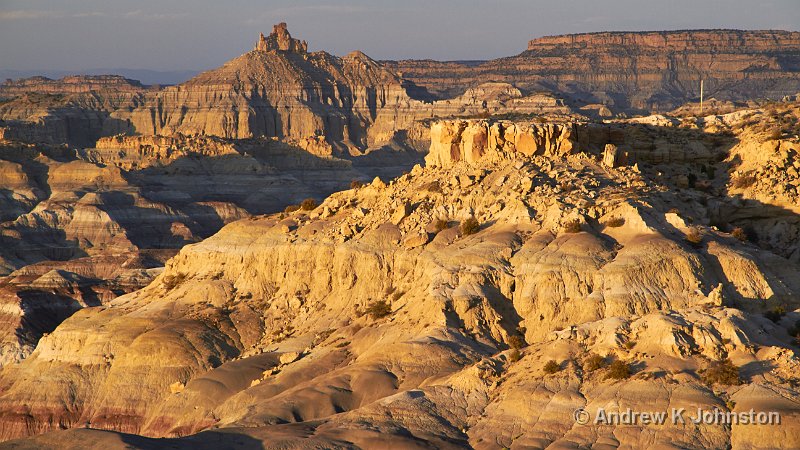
(379, 319)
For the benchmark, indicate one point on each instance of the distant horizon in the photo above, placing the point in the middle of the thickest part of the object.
(150, 76)
(197, 35)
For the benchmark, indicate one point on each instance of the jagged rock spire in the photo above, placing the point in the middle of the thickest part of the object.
(280, 39)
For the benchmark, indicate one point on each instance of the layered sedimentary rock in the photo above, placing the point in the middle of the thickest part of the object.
(352, 104)
(81, 227)
(634, 70)
(386, 318)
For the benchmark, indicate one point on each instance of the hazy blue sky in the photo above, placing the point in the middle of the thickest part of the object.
(183, 34)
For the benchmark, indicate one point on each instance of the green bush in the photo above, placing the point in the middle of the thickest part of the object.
(552, 367)
(379, 309)
(470, 226)
(573, 226)
(776, 314)
(308, 204)
(795, 330)
(722, 372)
(172, 281)
(516, 342)
(440, 225)
(618, 370)
(433, 187)
(744, 181)
(739, 234)
(694, 236)
(594, 362)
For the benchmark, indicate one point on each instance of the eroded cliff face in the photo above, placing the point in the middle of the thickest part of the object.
(352, 104)
(634, 70)
(380, 319)
(81, 227)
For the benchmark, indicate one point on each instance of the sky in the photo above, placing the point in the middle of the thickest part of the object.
(202, 34)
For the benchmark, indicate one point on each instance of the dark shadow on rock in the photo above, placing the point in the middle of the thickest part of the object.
(206, 440)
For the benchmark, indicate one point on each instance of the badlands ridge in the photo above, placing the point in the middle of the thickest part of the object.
(473, 271)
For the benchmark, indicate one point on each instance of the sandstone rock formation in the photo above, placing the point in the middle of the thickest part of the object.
(353, 104)
(280, 39)
(81, 227)
(374, 320)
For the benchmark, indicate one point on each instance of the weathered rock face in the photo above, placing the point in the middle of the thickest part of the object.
(314, 100)
(471, 140)
(280, 39)
(461, 140)
(634, 70)
(81, 227)
(376, 321)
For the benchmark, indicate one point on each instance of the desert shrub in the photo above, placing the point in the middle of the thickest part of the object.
(674, 211)
(396, 295)
(692, 180)
(775, 314)
(694, 235)
(291, 208)
(308, 204)
(440, 225)
(629, 345)
(775, 135)
(355, 184)
(433, 186)
(378, 309)
(744, 181)
(552, 367)
(573, 226)
(516, 342)
(615, 222)
(795, 330)
(710, 171)
(722, 372)
(470, 226)
(618, 370)
(514, 355)
(594, 362)
(739, 234)
(173, 281)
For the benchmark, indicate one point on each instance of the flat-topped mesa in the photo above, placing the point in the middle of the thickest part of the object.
(733, 41)
(280, 39)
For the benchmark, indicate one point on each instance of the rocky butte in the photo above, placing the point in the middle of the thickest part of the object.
(298, 250)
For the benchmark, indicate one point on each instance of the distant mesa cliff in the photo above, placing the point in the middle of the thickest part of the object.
(635, 70)
(355, 103)
(277, 90)
(69, 84)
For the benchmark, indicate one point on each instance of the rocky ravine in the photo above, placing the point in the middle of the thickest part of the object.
(81, 227)
(377, 321)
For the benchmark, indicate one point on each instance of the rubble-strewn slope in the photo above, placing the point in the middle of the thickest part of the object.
(376, 320)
